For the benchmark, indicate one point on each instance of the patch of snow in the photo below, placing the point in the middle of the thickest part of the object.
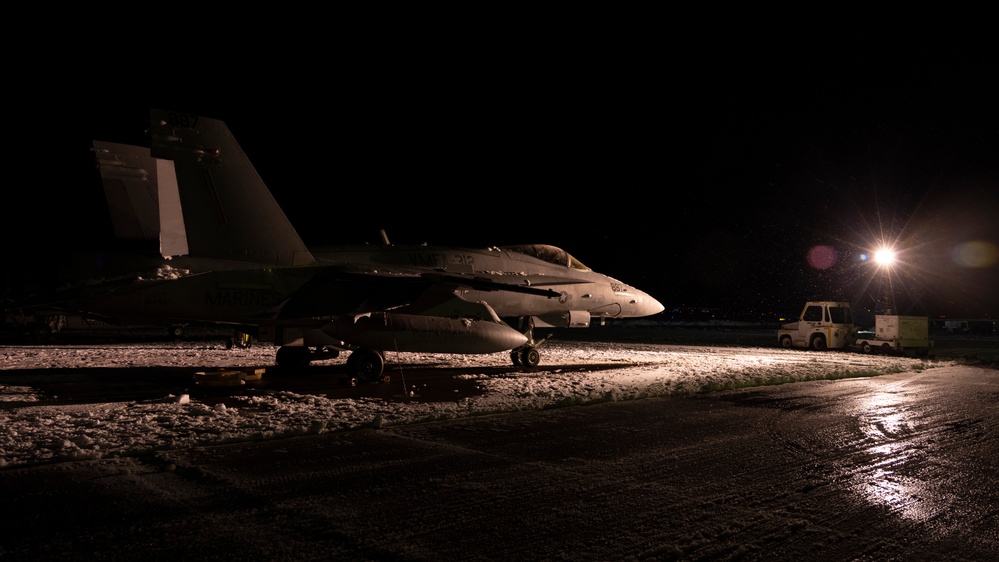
(35, 431)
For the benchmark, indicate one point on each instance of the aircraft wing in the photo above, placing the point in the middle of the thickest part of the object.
(77, 300)
(335, 290)
(289, 294)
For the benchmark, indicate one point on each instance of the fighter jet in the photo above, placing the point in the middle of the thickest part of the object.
(228, 255)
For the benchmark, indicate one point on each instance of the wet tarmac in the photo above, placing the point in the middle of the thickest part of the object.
(902, 466)
(893, 467)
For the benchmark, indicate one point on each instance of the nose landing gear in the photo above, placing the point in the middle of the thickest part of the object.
(528, 355)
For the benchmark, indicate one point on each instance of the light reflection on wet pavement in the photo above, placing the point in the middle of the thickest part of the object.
(903, 469)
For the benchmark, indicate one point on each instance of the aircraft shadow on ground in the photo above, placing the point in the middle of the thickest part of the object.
(91, 385)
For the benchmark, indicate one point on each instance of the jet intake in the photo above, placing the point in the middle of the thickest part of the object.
(428, 334)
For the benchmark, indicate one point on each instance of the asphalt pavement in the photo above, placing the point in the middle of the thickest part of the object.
(893, 467)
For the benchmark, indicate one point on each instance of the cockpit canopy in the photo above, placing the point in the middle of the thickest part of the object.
(550, 254)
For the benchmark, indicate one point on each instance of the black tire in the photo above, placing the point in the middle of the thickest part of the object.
(177, 331)
(785, 342)
(530, 357)
(818, 342)
(367, 365)
(515, 358)
(867, 347)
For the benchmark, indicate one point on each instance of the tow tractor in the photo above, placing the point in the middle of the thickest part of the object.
(821, 325)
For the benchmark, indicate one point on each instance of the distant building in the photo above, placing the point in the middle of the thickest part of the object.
(981, 326)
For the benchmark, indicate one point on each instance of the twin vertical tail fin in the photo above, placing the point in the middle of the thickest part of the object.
(198, 192)
(228, 210)
(142, 196)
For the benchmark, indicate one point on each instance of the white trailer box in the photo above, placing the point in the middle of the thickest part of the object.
(902, 328)
(897, 333)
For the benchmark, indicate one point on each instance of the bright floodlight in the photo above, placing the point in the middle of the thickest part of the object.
(884, 257)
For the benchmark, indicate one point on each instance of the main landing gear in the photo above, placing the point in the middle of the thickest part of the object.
(367, 365)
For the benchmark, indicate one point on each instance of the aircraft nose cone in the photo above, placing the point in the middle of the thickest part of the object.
(645, 305)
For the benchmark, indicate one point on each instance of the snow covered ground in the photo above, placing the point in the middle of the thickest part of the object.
(895, 462)
(38, 428)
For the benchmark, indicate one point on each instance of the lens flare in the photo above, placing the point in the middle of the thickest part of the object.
(822, 257)
(975, 254)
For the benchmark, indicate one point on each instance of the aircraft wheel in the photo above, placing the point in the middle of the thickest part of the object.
(366, 364)
(39, 334)
(292, 356)
(530, 357)
(515, 358)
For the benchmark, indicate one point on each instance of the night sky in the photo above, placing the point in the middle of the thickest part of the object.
(708, 183)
